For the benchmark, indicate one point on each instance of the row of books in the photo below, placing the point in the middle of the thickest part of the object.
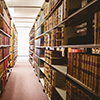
(40, 20)
(3, 25)
(49, 6)
(50, 90)
(54, 57)
(67, 6)
(85, 67)
(56, 38)
(74, 34)
(74, 92)
(39, 31)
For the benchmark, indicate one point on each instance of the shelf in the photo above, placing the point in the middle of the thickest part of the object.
(54, 8)
(31, 40)
(72, 46)
(40, 46)
(4, 58)
(31, 34)
(82, 46)
(74, 18)
(5, 46)
(83, 85)
(42, 69)
(83, 13)
(31, 56)
(42, 58)
(61, 68)
(14, 57)
(61, 92)
(40, 24)
(3, 73)
(42, 81)
(5, 21)
(31, 51)
(5, 33)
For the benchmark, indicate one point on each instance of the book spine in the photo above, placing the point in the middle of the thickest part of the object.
(92, 78)
(90, 70)
(74, 65)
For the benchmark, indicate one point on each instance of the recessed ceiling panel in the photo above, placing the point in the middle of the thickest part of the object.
(24, 12)
(25, 2)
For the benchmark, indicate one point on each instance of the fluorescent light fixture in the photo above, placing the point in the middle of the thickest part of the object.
(23, 24)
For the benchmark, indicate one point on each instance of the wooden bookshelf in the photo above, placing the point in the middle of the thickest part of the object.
(74, 19)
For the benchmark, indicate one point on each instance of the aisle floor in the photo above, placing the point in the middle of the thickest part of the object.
(23, 84)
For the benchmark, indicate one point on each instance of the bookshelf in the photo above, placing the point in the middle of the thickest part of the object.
(31, 46)
(5, 45)
(60, 33)
(14, 46)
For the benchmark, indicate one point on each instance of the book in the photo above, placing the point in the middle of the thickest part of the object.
(71, 6)
(96, 28)
(84, 2)
(58, 79)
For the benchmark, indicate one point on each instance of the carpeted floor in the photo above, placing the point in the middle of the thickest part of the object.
(23, 84)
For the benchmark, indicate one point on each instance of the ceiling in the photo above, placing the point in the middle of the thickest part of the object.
(23, 13)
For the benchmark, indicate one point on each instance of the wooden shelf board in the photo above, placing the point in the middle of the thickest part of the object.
(42, 58)
(72, 46)
(31, 34)
(42, 81)
(5, 46)
(61, 92)
(4, 58)
(61, 68)
(42, 69)
(31, 40)
(83, 85)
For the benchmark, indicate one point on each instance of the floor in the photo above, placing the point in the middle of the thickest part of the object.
(23, 84)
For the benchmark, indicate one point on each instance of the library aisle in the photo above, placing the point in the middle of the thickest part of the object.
(23, 84)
